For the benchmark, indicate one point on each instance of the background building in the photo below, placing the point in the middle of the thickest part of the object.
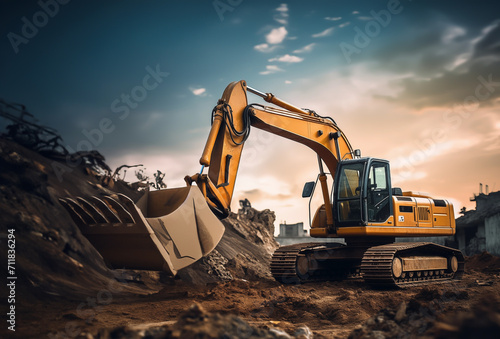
(479, 230)
(295, 234)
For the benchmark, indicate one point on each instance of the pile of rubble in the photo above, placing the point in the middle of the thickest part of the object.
(422, 317)
(198, 323)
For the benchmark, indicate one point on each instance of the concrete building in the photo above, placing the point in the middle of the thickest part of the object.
(295, 233)
(479, 230)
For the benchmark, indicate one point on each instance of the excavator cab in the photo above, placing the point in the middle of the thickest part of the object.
(362, 192)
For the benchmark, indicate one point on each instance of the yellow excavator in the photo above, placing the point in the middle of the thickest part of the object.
(172, 228)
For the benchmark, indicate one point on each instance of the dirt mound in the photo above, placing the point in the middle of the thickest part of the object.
(52, 257)
(483, 321)
(433, 313)
(57, 260)
(244, 251)
(196, 322)
(484, 262)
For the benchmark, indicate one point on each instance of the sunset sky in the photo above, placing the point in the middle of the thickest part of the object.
(414, 82)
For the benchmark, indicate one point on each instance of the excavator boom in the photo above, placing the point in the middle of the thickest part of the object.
(232, 120)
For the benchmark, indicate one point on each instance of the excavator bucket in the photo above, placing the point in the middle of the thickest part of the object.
(165, 231)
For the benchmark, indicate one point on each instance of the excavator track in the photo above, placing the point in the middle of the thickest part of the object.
(381, 265)
(313, 261)
(389, 265)
(284, 262)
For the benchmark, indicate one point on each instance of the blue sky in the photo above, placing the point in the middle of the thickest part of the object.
(392, 91)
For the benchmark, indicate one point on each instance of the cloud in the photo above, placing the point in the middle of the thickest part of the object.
(288, 82)
(342, 25)
(270, 69)
(277, 35)
(487, 43)
(198, 91)
(333, 18)
(151, 120)
(265, 48)
(355, 12)
(282, 15)
(287, 58)
(305, 49)
(324, 33)
(451, 33)
(449, 66)
(365, 18)
(282, 8)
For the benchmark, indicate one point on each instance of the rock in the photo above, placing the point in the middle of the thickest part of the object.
(482, 322)
(196, 322)
(303, 332)
(254, 226)
(215, 263)
(401, 313)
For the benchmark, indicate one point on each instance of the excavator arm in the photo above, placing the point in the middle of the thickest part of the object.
(172, 228)
(232, 120)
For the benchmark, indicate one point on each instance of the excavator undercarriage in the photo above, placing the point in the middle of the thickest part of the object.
(388, 265)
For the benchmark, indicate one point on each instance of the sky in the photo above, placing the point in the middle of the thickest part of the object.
(414, 82)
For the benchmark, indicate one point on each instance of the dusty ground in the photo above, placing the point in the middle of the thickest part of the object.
(329, 309)
(64, 289)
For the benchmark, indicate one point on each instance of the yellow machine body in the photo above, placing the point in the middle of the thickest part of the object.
(413, 217)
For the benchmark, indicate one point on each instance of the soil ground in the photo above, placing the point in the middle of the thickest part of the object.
(329, 309)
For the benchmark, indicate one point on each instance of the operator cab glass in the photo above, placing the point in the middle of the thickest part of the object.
(378, 205)
(363, 192)
(349, 192)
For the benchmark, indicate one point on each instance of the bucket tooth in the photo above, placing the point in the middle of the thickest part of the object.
(131, 208)
(82, 212)
(166, 230)
(95, 212)
(73, 214)
(106, 211)
(122, 213)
